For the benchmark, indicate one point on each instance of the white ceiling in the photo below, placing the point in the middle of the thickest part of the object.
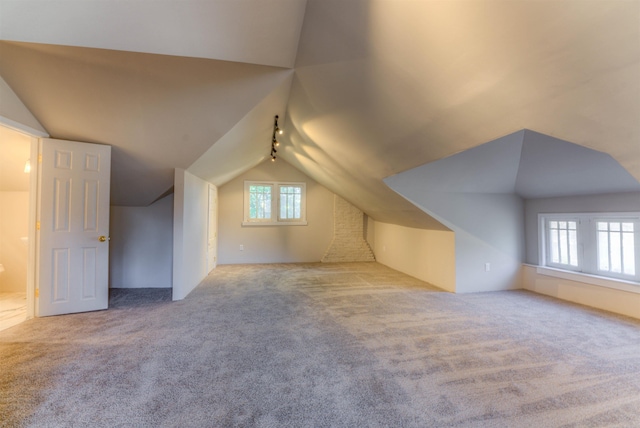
(366, 88)
(256, 32)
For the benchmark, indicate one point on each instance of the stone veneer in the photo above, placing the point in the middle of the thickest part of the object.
(348, 244)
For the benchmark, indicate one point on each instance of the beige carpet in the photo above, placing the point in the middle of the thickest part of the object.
(323, 345)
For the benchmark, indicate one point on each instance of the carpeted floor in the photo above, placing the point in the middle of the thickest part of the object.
(322, 345)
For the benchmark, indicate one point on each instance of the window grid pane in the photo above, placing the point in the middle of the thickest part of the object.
(259, 202)
(628, 254)
(616, 247)
(290, 202)
(564, 253)
(563, 242)
(603, 251)
(553, 245)
(573, 247)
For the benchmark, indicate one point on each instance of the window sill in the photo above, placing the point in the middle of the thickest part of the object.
(273, 223)
(617, 284)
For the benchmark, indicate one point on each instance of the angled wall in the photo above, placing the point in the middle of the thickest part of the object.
(488, 228)
(425, 254)
(15, 115)
(472, 194)
(190, 222)
(479, 194)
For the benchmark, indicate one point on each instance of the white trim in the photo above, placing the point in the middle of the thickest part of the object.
(34, 234)
(17, 126)
(271, 223)
(275, 204)
(303, 202)
(246, 220)
(618, 284)
(587, 243)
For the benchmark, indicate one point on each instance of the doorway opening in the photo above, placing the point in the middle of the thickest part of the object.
(15, 200)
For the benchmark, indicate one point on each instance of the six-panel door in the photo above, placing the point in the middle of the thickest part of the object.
(73, 274)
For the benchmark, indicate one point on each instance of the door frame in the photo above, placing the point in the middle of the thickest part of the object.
(32, 262)
(33, 238)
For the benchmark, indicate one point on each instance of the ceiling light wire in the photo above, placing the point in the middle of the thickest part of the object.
(274, 141)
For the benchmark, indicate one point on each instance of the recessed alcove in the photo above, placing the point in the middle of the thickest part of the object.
(483, 195)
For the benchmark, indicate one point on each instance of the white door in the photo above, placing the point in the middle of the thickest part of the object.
(73, 208)
(212, 226)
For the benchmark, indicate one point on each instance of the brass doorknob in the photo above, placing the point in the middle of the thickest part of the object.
(104, 239)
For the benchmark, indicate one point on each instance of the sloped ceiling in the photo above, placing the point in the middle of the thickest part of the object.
(159, 112)
(525, 163)
(256, 32)
(365, 88)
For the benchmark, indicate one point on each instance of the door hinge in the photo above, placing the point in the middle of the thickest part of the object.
(37, 293)
(39, 158)
(37, 225)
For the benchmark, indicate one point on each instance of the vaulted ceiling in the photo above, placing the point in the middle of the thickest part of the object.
(365, 88)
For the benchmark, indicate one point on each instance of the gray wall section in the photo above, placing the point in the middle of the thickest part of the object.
(615, 202)
(273, 244)
(141, 246)
(489, 228)
(550, 167)
(472, 193)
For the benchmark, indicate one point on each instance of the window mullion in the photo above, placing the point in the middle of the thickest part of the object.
(621, 249)
(609, 248)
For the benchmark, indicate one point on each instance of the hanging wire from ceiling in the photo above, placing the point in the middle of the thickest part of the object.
(274, 141)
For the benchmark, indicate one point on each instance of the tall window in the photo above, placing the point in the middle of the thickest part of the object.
(274, 203)
(290, 202)
(260, 201)
(616, 247)
(563, 242)
(598, 244)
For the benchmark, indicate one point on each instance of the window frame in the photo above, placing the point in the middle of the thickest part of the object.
(547, 243)
(588, 246)
(275, 219)
(636, 235)
(303, 214)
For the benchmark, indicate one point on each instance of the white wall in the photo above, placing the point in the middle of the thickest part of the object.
(14, 250)
(613, 202)
(141, 247)
(273, 244)
(428, 255)
(15, 115)
(608, 299)
(190, 221)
